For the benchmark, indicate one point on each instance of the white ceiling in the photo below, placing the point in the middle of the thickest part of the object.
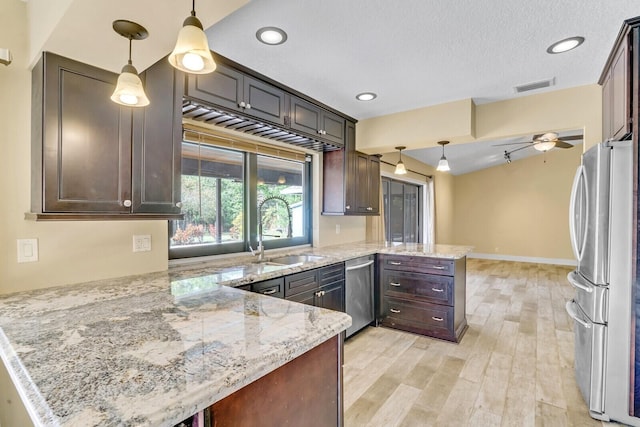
(417, 53)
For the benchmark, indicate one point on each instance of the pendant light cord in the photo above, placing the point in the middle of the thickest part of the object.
(193, 7)
(130, 63)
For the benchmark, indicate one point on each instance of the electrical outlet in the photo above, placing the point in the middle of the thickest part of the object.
(27, 250)
(337, 228)
(142, 243)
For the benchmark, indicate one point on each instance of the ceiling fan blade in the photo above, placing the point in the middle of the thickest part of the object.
(511, 143)
(562, 144)
(572, 138)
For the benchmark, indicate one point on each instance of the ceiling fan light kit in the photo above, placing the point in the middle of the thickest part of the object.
(443, 164)
(400, 168)
(191, 53)
(129, 90)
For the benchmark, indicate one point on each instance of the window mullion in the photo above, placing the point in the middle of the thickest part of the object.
(251, 190)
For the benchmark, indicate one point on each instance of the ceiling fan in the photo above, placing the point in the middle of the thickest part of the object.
(543, 142)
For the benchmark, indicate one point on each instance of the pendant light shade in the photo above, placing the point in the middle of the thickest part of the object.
(192, 53)
(443, 164)
(400, 168)
(129, 90)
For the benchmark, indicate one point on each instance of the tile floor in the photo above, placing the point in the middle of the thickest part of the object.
(513, 367)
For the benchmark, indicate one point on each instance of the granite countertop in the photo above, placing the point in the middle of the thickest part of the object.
(153, 349)
(128, 352)
(242, 270)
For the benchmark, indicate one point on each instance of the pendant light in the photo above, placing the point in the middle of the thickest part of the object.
(129, 90)
(443, 164)
(400, 169)
(192, 54)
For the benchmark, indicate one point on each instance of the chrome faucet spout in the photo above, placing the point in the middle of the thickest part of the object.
(260, 248)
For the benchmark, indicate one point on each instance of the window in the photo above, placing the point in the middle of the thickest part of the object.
(402, 211)
(222, 190)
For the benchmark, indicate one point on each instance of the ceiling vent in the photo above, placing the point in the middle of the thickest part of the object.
(535, 85)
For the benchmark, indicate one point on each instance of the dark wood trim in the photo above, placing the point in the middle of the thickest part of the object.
(627, 25)
(97, 216)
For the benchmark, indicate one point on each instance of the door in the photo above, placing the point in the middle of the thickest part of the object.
(332, 126)
(305, 117)
(86, 140)
(331, 296)
(589, 214)
(223, 87)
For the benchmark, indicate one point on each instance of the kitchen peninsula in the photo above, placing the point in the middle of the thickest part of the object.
(155, 349)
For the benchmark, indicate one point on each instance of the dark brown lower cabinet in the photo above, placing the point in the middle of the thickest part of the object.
(321, 287)
(305, 392)
(423, 295)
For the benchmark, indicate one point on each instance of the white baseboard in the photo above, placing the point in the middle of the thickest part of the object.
(536, 260)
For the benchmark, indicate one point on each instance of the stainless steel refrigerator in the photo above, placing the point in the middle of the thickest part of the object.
(601, 235)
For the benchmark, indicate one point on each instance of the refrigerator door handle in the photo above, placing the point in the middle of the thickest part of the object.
(578, 251)
(574, 282)
(573, 313)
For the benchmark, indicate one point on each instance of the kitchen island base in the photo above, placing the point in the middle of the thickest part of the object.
(307, 391)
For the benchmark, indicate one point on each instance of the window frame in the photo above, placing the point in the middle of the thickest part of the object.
(250, 217)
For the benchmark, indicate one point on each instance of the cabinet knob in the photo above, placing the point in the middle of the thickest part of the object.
(127, 203)
(242, 104)
(320, 131)
(248, 107)
(347, 207)
(369, 208)
(324, 132)
(393, 310)
(179, 204)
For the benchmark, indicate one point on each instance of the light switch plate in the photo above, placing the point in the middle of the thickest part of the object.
(142, 243)
(27, 250)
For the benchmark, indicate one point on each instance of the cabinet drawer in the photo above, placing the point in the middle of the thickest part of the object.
(428, 287)
(273, 287)
(300, 282)
(424, 318)
(331, 274)
(419, 264)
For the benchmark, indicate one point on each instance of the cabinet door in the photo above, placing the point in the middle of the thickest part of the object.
(157, 137)
(305, 117)
(332, 296)
(363, 198)
(373, 176)
(308, 297)
(264, 101)
(86, 139)
(332, 127)
(620, 94)
(223, 87)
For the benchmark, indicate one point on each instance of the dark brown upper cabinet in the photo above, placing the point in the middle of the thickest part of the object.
(351, 180)
(617, 81)
(310, 119)
(235, 91)
(94, 158)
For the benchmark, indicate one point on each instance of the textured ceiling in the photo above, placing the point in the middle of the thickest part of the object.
(416, 53)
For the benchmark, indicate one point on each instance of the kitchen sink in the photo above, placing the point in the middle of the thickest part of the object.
(294, 259)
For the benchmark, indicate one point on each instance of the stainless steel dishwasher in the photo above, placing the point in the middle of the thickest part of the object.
(359, 292)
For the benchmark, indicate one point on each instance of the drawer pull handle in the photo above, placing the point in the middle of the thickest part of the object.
(438, 267)
(393, 310)
(270, 291)
(395, 263)
(394, 284)
(437, 290)
(437, 319)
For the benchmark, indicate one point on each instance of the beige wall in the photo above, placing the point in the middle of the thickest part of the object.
(462, 121)
(519, 209)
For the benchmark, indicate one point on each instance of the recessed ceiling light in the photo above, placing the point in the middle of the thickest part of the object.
(565, 45)
(366, 96)
(271, 35)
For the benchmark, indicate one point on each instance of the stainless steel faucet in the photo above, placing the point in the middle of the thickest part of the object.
(259, 252)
